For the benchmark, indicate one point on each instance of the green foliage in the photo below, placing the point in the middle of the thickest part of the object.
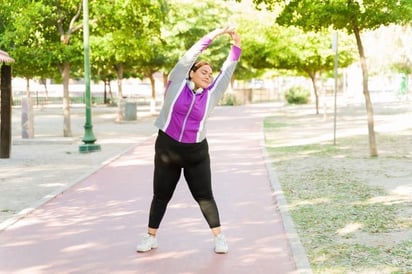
(346, 15)
(35, 34)
(25, 41)
(252, 25)
(185, 24)
(308, 53)
(144, 36)
(42, 35)
(150, 35)
(229, 99)
(403, 67)
(353, 17)
(267, 46)
(125, 34)
(297, 95)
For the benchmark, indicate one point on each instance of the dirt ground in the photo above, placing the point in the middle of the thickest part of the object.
(391, 170)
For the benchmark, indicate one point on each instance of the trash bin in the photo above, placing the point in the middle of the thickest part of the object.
(404, 85)
(130, 111)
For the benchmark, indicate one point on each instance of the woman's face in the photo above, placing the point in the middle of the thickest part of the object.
(202, 77)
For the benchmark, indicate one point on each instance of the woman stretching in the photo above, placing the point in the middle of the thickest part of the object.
(191, 95)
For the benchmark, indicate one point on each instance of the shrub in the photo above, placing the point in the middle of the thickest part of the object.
(297, 95)
(229, 100)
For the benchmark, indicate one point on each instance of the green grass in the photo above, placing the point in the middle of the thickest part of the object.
(332, 206)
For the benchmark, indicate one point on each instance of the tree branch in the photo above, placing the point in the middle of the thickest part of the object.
(73, 28)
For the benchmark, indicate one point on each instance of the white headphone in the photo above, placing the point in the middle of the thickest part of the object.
(192, 87)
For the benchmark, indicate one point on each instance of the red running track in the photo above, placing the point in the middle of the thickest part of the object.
(93, 227)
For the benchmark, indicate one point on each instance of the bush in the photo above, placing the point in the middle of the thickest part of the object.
(297, 95)
(229, 100)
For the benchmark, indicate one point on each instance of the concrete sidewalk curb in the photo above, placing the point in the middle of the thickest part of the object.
(22, 213)
(46, 140)
(298, 251)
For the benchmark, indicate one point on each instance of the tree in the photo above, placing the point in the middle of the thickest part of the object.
(101, 65)
(352, 16)
(267, 46)
(307, 53)
(42, 36)
(66, 18)
(151, 63)
(403, 62)
(28, 44)
(186, 24)
(255, 49)
(121, 39)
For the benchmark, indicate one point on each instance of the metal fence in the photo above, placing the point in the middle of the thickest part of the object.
(79, 99)
(43, 100)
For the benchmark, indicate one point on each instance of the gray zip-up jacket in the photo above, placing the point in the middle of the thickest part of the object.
(184, 113)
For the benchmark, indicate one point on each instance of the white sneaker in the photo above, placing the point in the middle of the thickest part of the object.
(148, 243)
(221, 246)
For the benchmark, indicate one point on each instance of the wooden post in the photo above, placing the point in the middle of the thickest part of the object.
(27, 119)
(5, 118)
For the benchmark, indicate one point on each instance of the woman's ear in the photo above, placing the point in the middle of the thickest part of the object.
(190, 74)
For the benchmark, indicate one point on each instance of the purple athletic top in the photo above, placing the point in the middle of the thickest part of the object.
(184, 113)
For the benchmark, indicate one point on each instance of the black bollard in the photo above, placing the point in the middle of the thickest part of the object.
(5, 116)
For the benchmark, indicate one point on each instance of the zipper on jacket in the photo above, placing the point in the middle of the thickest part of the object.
(187, 117)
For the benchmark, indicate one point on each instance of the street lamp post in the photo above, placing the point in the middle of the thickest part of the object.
(88, 138)
(335, 73)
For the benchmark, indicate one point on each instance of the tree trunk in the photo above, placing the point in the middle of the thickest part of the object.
(315, 91)
(153, 99)
(105, 91)
(46, 91)
(27, 114)
(67, 131)
(120, 100)
(369, 108)
(165, 78)
(28, 87)
(110, 91)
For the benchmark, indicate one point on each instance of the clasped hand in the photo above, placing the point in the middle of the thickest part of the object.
(230, 30)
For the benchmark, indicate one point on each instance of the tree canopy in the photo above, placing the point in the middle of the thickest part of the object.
(137, 38)
(341, 14)
(351, 16)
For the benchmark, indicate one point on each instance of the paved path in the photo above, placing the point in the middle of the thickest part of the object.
(93, 226)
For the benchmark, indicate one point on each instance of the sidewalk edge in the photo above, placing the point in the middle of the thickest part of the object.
(298, 251)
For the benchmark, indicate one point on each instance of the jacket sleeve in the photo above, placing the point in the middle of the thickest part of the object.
(181, 69)
(222, 81)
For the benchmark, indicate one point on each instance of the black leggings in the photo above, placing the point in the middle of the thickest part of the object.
(170, 158)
